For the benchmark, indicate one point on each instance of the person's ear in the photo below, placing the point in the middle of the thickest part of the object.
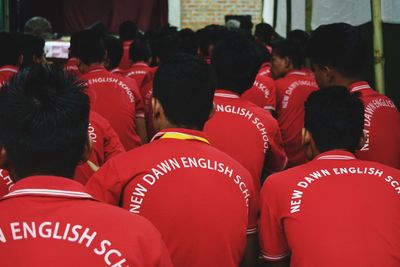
(212, 111)
(288, 63)
(363, 140)
(4, 161)
(156, 107)
(87, 151)
(309, 146)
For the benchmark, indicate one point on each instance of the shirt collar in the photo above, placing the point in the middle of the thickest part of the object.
(139, 64)
(357, 86)
(335, 155)
(226, 94)
(96, 68)
(297, 72)
(9, 68)
(181, 134)
(48, 186)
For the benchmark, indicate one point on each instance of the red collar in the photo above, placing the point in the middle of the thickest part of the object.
(48, 186)
(9, 68)
(181, 134)
(96, 68)
(140, 64)
(226, 94)
(335, 155)
(296, 72)
(357, 86)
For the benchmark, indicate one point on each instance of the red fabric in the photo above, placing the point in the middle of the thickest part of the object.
(125, 62)
(5, 182)
(196, 184)
(114, 97)
(138, 71)
(105, 145)
(333, 211)
(6, 72)
(247, 133)
(263, 93)
(381, 125)
(146, 91)
(71, 66)
(292, 91)
(148, 14)
(71, 227)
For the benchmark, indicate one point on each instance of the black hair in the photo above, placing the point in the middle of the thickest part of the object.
(189, 42)
(236, 62)
(264, 54)
(340, 46)
(300, 36)
(31, 46)
(291, 49)
(88, 46)
(210, 36)
(10, 49)
(114, 50)
(185, 86)
(165, 43)
(264, 33)
(47, 131)
(335, 118)
(128, 30)
(140, 50)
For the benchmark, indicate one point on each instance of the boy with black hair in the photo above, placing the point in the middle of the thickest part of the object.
(140, 56)
(128, 33)
(331, 219)
(110, 94)
(174, 180)
(264, 33)
(10, 56)
(293, 86)
(240, 128)
(114, 51)
(209, 36)
(189, 42)
(338, 54)
(33, 50)
(48, 219)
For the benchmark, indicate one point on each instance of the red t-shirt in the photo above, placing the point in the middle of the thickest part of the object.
(292, 91)
(6, 72)
(263, 93)
(333, 211)
(118, 71)
(381, 126)
(71, 66)
(5, 182)
(53, 221)
(200, 199)
(247, 133)
(115, 98)
(146, 91)
(138, 72)
(105, 145)
(125, 62)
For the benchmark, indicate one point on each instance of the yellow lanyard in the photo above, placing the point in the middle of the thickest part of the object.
(182, 136)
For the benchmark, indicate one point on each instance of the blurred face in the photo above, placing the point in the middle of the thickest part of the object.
(321, 75)
(279, 65)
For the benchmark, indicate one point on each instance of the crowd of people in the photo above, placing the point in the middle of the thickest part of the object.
(210, 148)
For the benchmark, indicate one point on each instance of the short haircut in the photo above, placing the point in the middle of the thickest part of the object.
(10, 48)
(140, 50)
(43, 121)
(165, 44)
(88, 46)
(290, 49)
(264, 32)
(128, 30)
(31, 46)
(340, 46)
(236, 62)
(189, 42)
(300, 36)
(335, 118)
(114, 50)
(185, 86)
(210, 36)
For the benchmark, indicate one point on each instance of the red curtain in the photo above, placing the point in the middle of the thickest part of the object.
(148, 14)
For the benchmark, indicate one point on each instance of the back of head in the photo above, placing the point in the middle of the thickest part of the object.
(140, 50)
(10, 49)
(236, 62)
(189, 42)
(128, 30)
(38, 26)
(209, 37)
(165, 44)
(33, 49)
(335, 118)
(114, 50)
(300, 36)
(339, 46)
(43, 122)
(264, 33)
(291, 49)
(88, 46)
(185, 86)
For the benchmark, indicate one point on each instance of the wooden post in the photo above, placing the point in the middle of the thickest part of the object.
(6, 12)
(288, 16)
(309, 15)
(379, 60)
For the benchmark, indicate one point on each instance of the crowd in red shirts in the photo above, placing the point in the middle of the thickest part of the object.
(215, 147)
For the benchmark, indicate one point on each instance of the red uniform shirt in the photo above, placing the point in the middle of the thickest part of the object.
(6, 72)
(263, 93)
(118, 71)
(114, 97)
(200, 199)
(105, 145)
(125, 61)
(138, 72)
(381, 126)
(5, 182)
(52, 221)
(71, 66)
(292, 91)
(333, 211)
(247, 133)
